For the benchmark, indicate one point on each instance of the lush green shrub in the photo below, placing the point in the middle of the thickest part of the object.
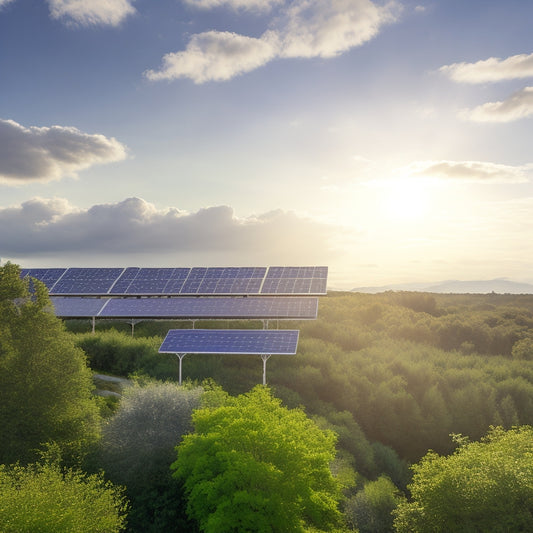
(482, 486)
(137, 450)
(119, 353)
(370, 510)
(44, 499)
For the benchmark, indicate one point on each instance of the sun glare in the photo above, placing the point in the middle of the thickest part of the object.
(404, 199)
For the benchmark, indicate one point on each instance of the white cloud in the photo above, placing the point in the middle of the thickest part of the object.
(517, 106)
(91, 12)
(48, 227)
(473, 171)
(305, 28)
(491, 70)
(316, 28)
(4, 3)
(48, 153)
(216, 56)
(262, 5)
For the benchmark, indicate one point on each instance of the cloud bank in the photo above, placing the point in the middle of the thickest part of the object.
(304, 29)
(30, 154)
(491, 70)
(47, 227)
(471, 171)
(517, 106)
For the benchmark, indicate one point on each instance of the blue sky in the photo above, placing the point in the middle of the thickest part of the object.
(390, 141)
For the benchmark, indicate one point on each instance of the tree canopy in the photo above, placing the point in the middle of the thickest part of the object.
(137, 449)
(42, 498)
(482, 486)
(252, 465)
(45, 384)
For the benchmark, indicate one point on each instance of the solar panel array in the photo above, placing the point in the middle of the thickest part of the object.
(231, 341)
(134, 281)
(188, 307)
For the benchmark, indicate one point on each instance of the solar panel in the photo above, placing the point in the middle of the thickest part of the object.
(69, 307)
(183, 281)
(86, 281)
(295, 280)
(219, 341)
(48, 276)
(217, 307)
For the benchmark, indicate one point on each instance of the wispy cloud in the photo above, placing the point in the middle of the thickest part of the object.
(91, 12)
(472, 171)
(4, 3)
(48, 226)
(517, 106)
(32, 153)
(216, 56)
(261, 5)
(305, 29)
(317, 28)
(491, 70)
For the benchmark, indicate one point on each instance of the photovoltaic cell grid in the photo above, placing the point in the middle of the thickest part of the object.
(73, 307)
(303, 308)
(183, 281)
(86, 280)
(216, 341)
(295, 280)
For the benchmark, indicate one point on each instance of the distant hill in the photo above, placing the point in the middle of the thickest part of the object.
(500, 286)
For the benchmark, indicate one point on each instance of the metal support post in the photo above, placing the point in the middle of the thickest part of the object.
(265, 357)
(180, 357)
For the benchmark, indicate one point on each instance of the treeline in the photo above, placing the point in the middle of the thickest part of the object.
(407, 369)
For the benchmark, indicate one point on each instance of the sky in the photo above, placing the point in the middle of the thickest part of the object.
(388, 140)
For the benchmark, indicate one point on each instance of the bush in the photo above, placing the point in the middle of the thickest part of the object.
(42, 498)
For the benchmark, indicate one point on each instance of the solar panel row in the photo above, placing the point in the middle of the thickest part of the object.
(215, 341)
(301, 308)
(182, 281)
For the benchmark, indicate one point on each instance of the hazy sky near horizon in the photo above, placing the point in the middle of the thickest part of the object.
(391, 141)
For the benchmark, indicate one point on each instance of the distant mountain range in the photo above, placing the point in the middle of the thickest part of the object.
(500, 286)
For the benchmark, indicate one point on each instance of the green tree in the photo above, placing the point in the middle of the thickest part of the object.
(45, 384)
(252, 465)
(42, 498)
(370, 509)
(482, 486)
(137, 450)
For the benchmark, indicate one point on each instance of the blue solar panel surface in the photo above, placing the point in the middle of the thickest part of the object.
(219, 307)
(301, 308)
(295, 280)
(86, 281)
(183, 281)
(72, 307)
(217, 341)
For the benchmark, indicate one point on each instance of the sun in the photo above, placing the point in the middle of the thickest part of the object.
(405, 199)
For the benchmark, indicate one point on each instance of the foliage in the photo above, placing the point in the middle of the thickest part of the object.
(45, 384)
(138, 447)
(120, 353)
(42, 498)
(401, 369)
(482, 486)
(254, 465)
(370, 509)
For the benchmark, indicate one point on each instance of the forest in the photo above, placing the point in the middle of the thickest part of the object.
(399, 397)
